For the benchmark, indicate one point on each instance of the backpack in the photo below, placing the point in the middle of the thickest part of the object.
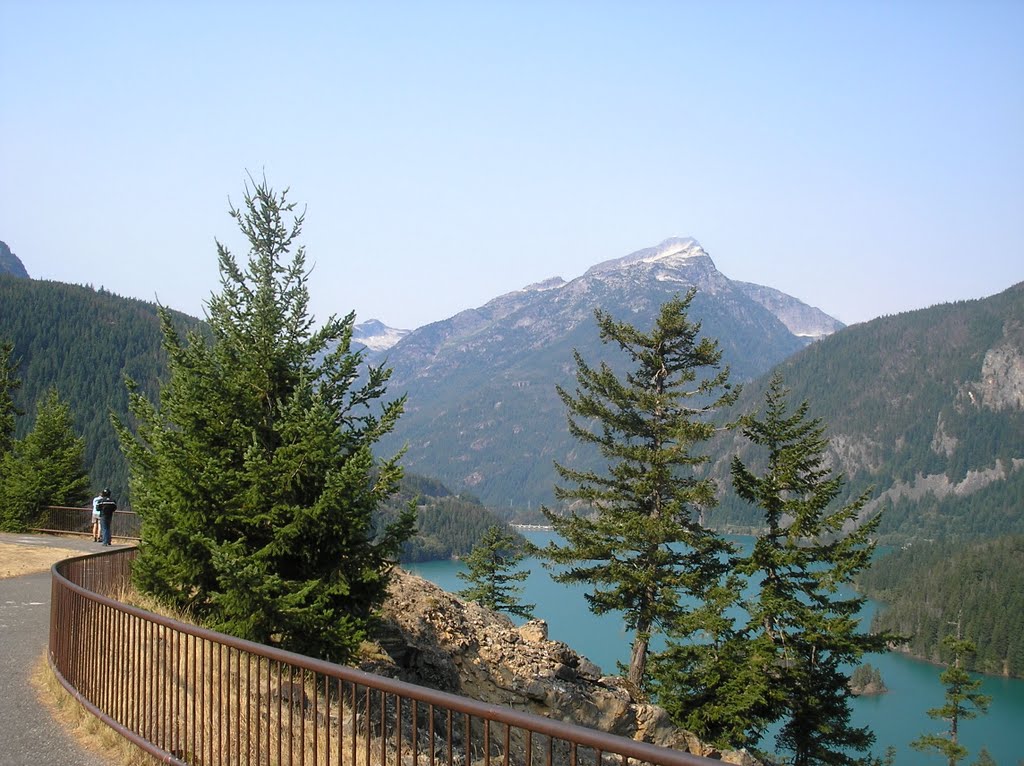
(107, 505)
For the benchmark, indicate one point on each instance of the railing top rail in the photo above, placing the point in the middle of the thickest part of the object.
(83, 508)
(608, 743)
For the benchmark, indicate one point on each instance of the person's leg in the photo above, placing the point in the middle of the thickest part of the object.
(95, 529)
(105, 528)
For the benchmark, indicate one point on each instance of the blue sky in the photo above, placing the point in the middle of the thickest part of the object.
(866, 157)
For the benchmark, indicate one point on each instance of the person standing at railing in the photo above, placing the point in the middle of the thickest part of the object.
(96, 519)
(105, 505)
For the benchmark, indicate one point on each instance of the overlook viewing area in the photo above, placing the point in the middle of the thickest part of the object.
(188, 695)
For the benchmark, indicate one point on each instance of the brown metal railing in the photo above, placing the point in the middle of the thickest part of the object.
(65, 520)
(192, 696)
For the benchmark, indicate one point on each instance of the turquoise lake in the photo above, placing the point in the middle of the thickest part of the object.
(896, 718)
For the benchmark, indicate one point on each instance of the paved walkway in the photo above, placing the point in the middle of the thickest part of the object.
(28, 733)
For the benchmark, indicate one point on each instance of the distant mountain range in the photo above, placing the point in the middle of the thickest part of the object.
(483, 415)
(924, 408)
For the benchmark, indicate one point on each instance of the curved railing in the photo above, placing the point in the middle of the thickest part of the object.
(73, 520)
(192, 696)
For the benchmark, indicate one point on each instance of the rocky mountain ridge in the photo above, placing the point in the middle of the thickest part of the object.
(676, 260)
(482, 413)
(802, 320)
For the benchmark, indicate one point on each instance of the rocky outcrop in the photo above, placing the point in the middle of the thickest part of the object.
(1002, 378)
(10, 263)
(434, 639)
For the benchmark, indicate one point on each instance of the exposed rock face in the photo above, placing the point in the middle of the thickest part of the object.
(870, 690)
(1002, 378)
(10, 263)
(435, 639)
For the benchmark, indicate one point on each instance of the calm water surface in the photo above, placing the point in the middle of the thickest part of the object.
(896, 718)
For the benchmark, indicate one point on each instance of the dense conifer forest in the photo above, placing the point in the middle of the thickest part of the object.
(84, 342)
(929, 587)
(447, 526)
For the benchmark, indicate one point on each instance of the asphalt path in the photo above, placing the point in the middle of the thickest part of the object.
(29, 736)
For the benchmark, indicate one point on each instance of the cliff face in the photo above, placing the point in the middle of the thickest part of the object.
(10, 263)
(434, 639)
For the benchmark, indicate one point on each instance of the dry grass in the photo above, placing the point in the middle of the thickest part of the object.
(87, 730)
(210, 700)
(17, 560)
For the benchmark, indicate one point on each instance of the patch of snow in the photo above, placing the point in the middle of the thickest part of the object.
(671, 252)
(675, 249)
(377, 336)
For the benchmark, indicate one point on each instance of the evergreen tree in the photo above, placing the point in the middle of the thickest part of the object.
(714, 687)
(644, 551)
(254, 475)
(9, 383)
(803, 630)
(985, 758)
(44, 468)
(491, 576)
(963, 702)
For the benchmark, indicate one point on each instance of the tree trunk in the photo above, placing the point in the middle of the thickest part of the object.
(638, 658)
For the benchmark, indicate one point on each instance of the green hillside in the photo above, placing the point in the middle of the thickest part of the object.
(85, 342)
(926, 408)
(447, 526)
(931, 586)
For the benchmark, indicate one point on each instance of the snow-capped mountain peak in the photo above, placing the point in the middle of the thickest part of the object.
(672, 252)
(376, 335)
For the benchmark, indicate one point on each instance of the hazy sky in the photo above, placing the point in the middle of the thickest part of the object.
(865, 157)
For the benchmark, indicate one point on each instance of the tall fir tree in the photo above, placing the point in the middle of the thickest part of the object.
(803, 625)
(964, 701)
(44, 468)
(643, 550)
(254, 475)
(491, 573)
(9, 383)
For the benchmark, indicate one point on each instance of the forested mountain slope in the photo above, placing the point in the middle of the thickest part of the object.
(930, 587)
(85, 343)
(926, 407)
(447, 526)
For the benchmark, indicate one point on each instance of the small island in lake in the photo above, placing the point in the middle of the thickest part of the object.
(867, 680)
